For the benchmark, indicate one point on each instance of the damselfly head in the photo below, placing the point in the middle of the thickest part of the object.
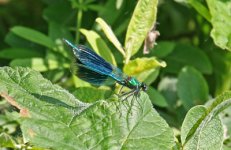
(144, 87)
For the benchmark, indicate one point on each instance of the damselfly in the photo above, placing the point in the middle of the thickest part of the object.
(94, 69)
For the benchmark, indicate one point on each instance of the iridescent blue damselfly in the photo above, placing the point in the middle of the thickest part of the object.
(92, 68)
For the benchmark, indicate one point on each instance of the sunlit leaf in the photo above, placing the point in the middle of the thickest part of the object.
(202, 127)
(6, 141)
(209, 133)
(110, 35)
(119, 3)
(145, 69)
(221, 22)
(54, 118)
(142, 21)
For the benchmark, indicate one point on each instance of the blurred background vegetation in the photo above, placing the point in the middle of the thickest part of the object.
(197, 69)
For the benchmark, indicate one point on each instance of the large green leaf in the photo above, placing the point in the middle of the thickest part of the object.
(144, 69)
(202, 128)
(54, 118)
(142, 21)
(209, 135)
(183, 55)
(192, 87)
(33, 36)
(99, 45)
(221, 22)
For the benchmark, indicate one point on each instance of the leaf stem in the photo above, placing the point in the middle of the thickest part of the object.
(78, 23)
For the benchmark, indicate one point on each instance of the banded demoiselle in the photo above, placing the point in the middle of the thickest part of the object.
(94, 69)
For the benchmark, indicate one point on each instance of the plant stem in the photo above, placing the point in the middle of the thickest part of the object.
(78, 23)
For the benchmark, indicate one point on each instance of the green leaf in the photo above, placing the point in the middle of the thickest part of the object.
(226, 120)
(110, 8)
(17, 42)
(144, 69)
(80, 83)
(192, 87)
(221, 61)
(33, 36)
(188, 55)
(221, 22)
(119, 3)
(12, 53)
(38, 64)
(168, 88)
(110, 35)
(56, 75)
(156, 97)
(142, 21)
(54, 118)
(6, 141)
(203, 122)
(209, 133)
(62, 16)
(99, 45)
(59, 31)
(200, 8)
(162, 49)
(225, 147)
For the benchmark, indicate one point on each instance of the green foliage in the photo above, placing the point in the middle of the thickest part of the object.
(192, 87)
(110, 35)
(6, 141)
(201, 121)
(183, 55)
(221, 22)
(200, 138)
(33, 36)
(187, 74)
(142, 21)
(144, 69)
(52, 117)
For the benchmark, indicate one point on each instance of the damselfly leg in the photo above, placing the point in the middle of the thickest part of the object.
(135, 93)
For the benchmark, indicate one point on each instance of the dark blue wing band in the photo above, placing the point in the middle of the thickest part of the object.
(90, 60)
